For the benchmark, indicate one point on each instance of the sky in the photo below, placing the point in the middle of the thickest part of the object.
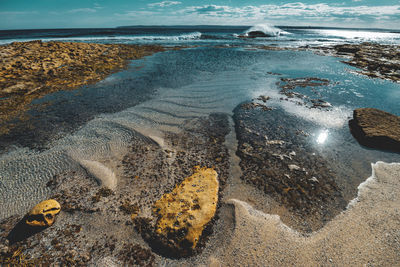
(49, 14)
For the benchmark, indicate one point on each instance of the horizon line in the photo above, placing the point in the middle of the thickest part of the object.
(201, 25)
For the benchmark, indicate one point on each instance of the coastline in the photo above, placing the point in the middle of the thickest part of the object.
(95, 225)
(372, 60)
(30, 70)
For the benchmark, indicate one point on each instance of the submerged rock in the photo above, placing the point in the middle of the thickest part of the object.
(184, 213)
(319, 103)
(376, 129)
(289, 86)
(347, 48)
(287, 167)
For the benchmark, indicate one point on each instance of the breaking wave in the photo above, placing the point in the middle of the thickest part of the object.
(267, 29)
(181, 37)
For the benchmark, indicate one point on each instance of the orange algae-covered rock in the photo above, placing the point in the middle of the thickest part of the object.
(44, 213)
(184, 213)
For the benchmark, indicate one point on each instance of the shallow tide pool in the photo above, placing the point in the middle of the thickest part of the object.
(159, 93)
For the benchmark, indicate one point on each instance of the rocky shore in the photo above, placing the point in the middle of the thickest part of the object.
(373, 60)
(30, 70)
(101, 226)
(184, 198)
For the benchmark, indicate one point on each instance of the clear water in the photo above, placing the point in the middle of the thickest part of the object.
(158, 93)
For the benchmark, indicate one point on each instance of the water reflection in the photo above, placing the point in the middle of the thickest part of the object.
(360, 35)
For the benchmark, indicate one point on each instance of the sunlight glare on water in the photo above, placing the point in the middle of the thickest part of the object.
(322, 137)
(363, 35)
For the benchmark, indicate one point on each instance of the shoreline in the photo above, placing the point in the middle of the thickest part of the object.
(98, 225)
(31, 70)
(372, 60)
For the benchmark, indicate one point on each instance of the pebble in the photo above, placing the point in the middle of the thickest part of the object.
(3, 249)
(85, 257)
(293, 167)
(275, 142)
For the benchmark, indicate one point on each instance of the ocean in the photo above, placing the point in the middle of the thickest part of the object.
(206, 35)
(216, 73)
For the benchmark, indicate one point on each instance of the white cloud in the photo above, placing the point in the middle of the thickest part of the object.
(295, 13)
(164, 4)
(82, 10)
(16, 13)
(98, 6)
(295, 9)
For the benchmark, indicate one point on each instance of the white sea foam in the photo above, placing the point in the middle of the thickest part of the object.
(336, 117)
(181, 37)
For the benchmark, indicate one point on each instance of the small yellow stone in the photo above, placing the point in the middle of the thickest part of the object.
(189, 207)
(133, 216)
(44, 213)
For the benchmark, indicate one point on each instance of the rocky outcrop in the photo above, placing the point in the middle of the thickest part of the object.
(373, 60)
(376, 129)
(255, 34)
(30, 70)
(184, 213)
(181, 216)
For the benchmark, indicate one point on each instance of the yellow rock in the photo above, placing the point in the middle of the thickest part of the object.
(44, 213)
(188, 208)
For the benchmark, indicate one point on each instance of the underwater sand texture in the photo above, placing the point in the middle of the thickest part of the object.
(95, 225)
(24, 173)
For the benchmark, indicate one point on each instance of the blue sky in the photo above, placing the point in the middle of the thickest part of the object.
(29, 14)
